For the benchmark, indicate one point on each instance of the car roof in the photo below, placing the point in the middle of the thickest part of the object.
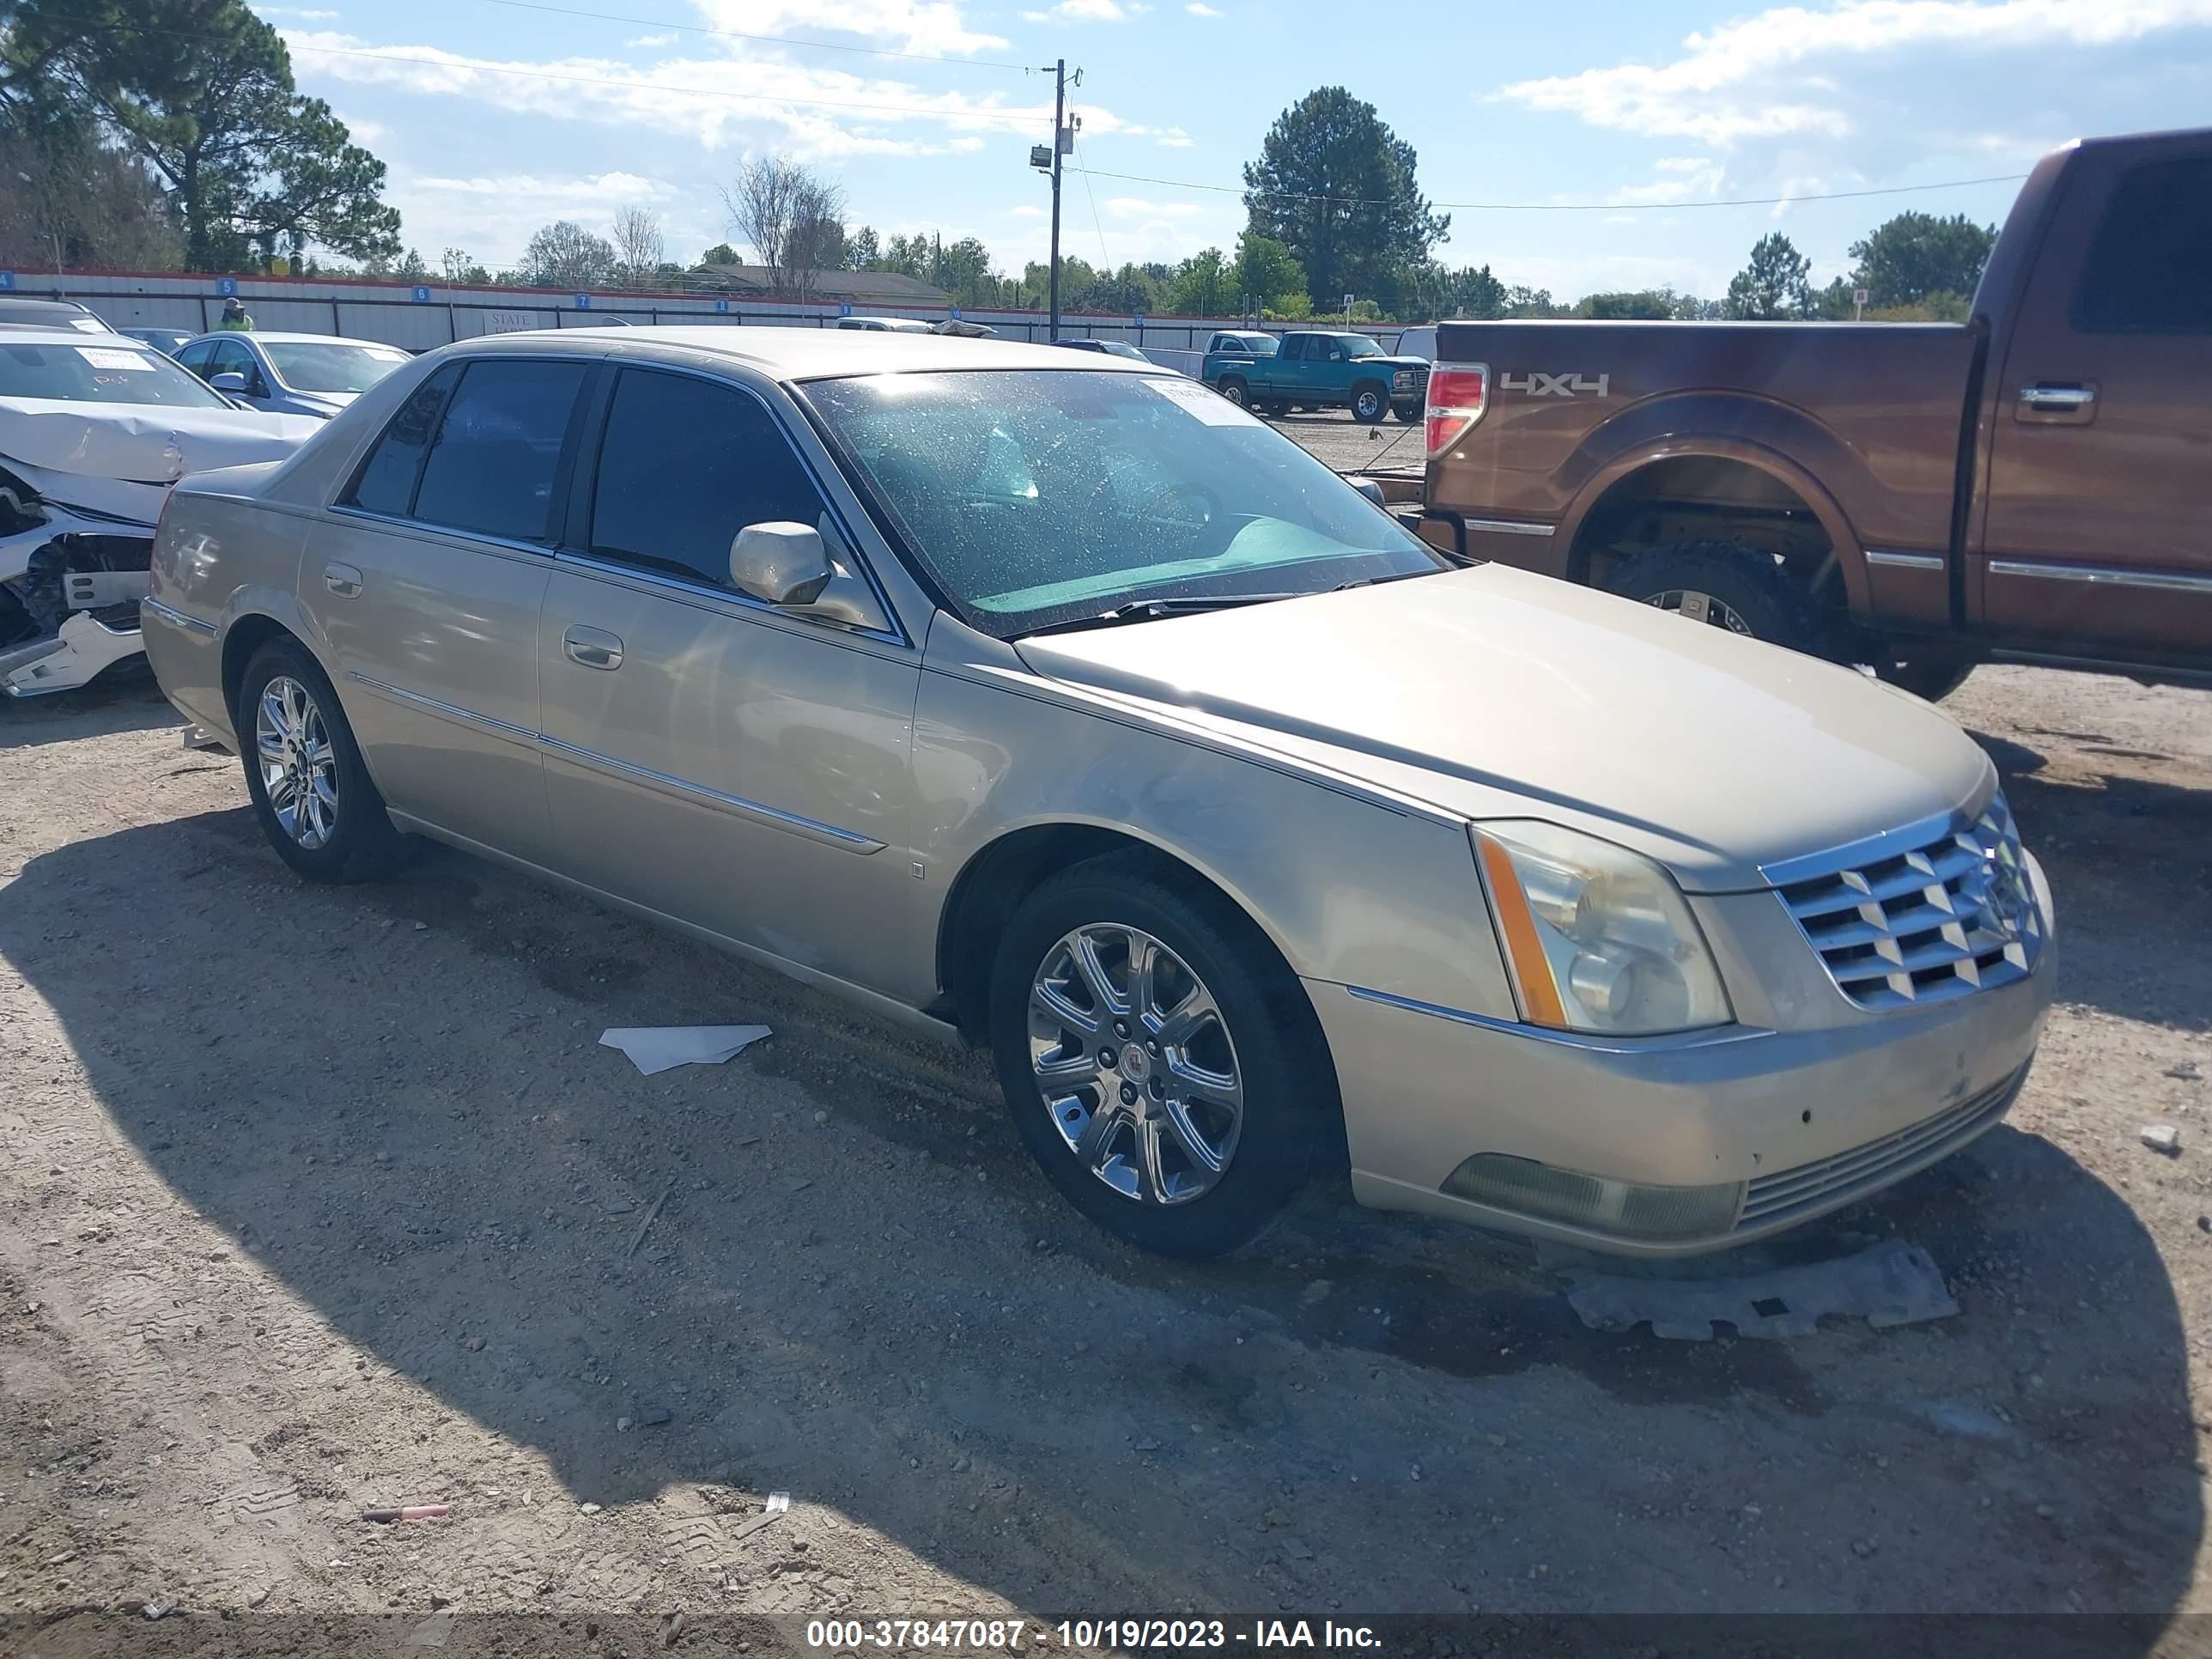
(21, 335)
(37, 307)
(280, 337)
(807, 354)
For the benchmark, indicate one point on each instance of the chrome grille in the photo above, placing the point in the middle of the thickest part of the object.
(1871, 1165)
(1949, 915)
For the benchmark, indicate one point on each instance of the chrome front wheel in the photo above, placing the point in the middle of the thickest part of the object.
(298, 760)
(1134, 1062)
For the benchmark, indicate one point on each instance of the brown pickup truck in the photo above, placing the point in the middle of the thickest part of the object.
(2032, 485)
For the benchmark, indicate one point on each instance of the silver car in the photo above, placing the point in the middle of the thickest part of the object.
(1049, 700)
(316, 374)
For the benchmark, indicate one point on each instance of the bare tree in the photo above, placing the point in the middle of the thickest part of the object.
(639, 247)
(794, 218)
(563, 254)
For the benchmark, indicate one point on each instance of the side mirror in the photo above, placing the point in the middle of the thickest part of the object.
(229, 380)
(1372, 490)
(783, 563)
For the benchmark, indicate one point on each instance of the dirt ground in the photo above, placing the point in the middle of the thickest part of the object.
(1349, 445)
(312, 1200)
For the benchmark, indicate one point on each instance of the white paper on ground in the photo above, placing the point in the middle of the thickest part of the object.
(657, 1047)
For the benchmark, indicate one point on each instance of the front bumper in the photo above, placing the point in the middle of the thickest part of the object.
(1803, 1121)
(68, 658)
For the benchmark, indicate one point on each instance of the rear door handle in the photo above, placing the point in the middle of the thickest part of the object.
(342, 580)
(2057, 404)
(592, 648)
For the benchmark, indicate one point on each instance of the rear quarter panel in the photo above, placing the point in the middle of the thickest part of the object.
(1870, 412)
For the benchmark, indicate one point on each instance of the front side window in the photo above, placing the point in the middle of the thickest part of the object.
(2147, 270)
(490, 469)
(1039, 497)
(331, 365)
(385, 484)
(685, 465)
(118, 371)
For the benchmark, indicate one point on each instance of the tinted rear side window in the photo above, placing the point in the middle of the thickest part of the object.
(684, 465)
(2147, 271)
(385, 484)
(491, 469)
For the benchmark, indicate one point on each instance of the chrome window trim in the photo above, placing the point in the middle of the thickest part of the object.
(1661, 1043)
(2102, 575)
(1895, 561)
(896, 635)
(447, 532)
(774, 818)
(676, 586)
(1510, 526)
(168, 614)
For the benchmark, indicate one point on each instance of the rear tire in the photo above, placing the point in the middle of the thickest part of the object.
(1368, 403)
(1234, 390)
(1740, 589)
(1408, 414)
(310, 791)
(1211, 1046)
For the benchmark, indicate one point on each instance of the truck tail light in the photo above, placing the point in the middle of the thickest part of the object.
(1458, 393)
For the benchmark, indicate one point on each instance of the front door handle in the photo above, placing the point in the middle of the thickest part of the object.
(2057, 404)
(592, 648)
(342, 580)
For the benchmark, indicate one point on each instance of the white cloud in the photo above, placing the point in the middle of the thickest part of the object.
(1133, 206)
(1199, 9)
(494, 214)
(934, 26)
(717, 101)
(1084, 11)
(1683, 179)
(1776, 73)
(650, 41)
(1027, 210)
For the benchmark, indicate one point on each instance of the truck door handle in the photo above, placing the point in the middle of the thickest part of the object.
(342, 580)
(2053, 404)
(592, 648)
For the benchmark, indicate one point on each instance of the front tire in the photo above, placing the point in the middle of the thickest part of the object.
(1368, 403)
(1723, 586)
(1933, 678)
(1159, 1058)
(303, 770)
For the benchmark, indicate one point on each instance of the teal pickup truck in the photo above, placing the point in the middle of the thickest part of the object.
(1314, 370)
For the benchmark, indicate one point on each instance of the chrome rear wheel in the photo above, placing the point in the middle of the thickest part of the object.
(298, 760)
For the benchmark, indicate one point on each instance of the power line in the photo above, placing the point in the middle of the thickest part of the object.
(1096, 224)
(769, 39)
(1570, 207)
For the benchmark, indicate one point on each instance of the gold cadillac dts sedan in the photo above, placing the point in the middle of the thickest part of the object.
(1057, 703)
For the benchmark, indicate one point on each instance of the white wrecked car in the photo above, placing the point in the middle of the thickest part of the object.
(94, 430)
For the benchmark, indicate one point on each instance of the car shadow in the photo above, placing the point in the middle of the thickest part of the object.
(124, 698)
(855, 1287)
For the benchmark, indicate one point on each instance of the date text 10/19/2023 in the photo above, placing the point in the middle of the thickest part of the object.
(1012, 1635)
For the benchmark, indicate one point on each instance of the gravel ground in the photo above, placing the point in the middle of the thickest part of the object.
(317, 1199)
(1334, 437)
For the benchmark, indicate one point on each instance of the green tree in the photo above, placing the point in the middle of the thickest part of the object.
(1661, 304)
(862, 249)
(411, 268)
(1522, 301)
(563, 254)
(1916, 255)
(1773, 286)
(721, 254)
(1335, 186)
(1833, 303)
(457, 266)
(1203, 285)
(1267, 273)
(201, 91)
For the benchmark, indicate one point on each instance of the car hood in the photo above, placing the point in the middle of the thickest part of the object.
(1492, 693)
(1421, 363)
(122, 458)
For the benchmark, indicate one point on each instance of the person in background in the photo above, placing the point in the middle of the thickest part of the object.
(235, 316)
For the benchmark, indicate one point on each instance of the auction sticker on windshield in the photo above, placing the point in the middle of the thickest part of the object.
(1209, 406)
(111, 357)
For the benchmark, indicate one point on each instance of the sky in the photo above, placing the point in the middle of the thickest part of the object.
(1569, 140)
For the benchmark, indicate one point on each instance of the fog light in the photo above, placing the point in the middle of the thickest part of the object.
(1621, 1208)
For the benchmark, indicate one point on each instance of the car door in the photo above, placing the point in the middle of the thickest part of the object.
(2098, 540)
(735, 766)
(426, 579)
(1279, 373)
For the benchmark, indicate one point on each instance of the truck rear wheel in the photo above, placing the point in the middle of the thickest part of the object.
(1408, 414)
(1723, 586)
(1234, 390)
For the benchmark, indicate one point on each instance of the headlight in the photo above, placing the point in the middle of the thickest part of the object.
(1597, 937)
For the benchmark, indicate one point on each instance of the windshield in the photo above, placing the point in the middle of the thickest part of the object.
(1359, 345)
(1040, 496)
(329, 365)
(117, 372)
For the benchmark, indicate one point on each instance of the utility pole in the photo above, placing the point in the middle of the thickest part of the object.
(1059, 148)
